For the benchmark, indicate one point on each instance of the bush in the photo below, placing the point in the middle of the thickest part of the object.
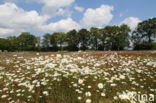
(145, 46)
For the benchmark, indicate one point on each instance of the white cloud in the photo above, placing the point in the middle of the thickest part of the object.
(56, 3)
(14, 20)
(13, 17)
(62, 26)
(5, 31)
(53, 7)
(79, 9)
(97, 17)
(132, 22)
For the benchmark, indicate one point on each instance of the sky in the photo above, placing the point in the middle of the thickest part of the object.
(47, 16)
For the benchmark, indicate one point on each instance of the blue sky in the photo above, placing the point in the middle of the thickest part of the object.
(47, 16)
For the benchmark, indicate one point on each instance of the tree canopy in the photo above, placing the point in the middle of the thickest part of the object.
(144, 36)
(116, 37)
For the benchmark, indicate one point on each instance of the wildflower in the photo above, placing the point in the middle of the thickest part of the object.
(79, 98)
(3, 96)
(37, 53)
(80, 81)
(88, 100)
(75, 85)
(89, 86)
(113, 85)
(58, 55)
(18, 94)
(5, 89)
(88, 94)
(45, 93)
(103, 94)
(122, 77)
(29, 96)
(115, 97)
(100, 86)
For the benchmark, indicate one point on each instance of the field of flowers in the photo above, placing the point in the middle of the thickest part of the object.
(77, 77)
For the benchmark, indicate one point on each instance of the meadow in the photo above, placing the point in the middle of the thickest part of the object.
(78, 77)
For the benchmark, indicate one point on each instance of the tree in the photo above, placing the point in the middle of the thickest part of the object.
(58, 40)
(145, 34)
(123, 37)
(110, 37)
(26, 41)
(72, 40)
(47, 41)
(53, 41)
(4, 44)
(38, 44)
(107, 38)
(147, 29)
(83, 36)
(104, 38)
(116, 37)
(61, 40)
(94, 38)
(13, 43)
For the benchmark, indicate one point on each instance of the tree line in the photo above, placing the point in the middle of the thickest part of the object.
(107, 38)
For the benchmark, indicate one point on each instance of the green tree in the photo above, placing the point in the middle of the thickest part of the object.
(58, 40)
(83, 36)
(26, 41)
(46, 41)
(72, 40)
(38, 44)
(13, 43)
(110, 34)
(123, 37)
(53, 41)
(116, 37)
(5, 44)
(95, 38)
(147, 29)
(145, 35)
(104, 39)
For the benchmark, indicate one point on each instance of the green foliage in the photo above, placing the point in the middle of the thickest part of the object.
(4, 44)
(58, 40)
(72, 41)
(145, 34)
(26, 41)
(107, 38)
(95, 38)
(83, 37)
(145, 46)
(46, 40)
(123, 37)
(115, 37)
(13, 43)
